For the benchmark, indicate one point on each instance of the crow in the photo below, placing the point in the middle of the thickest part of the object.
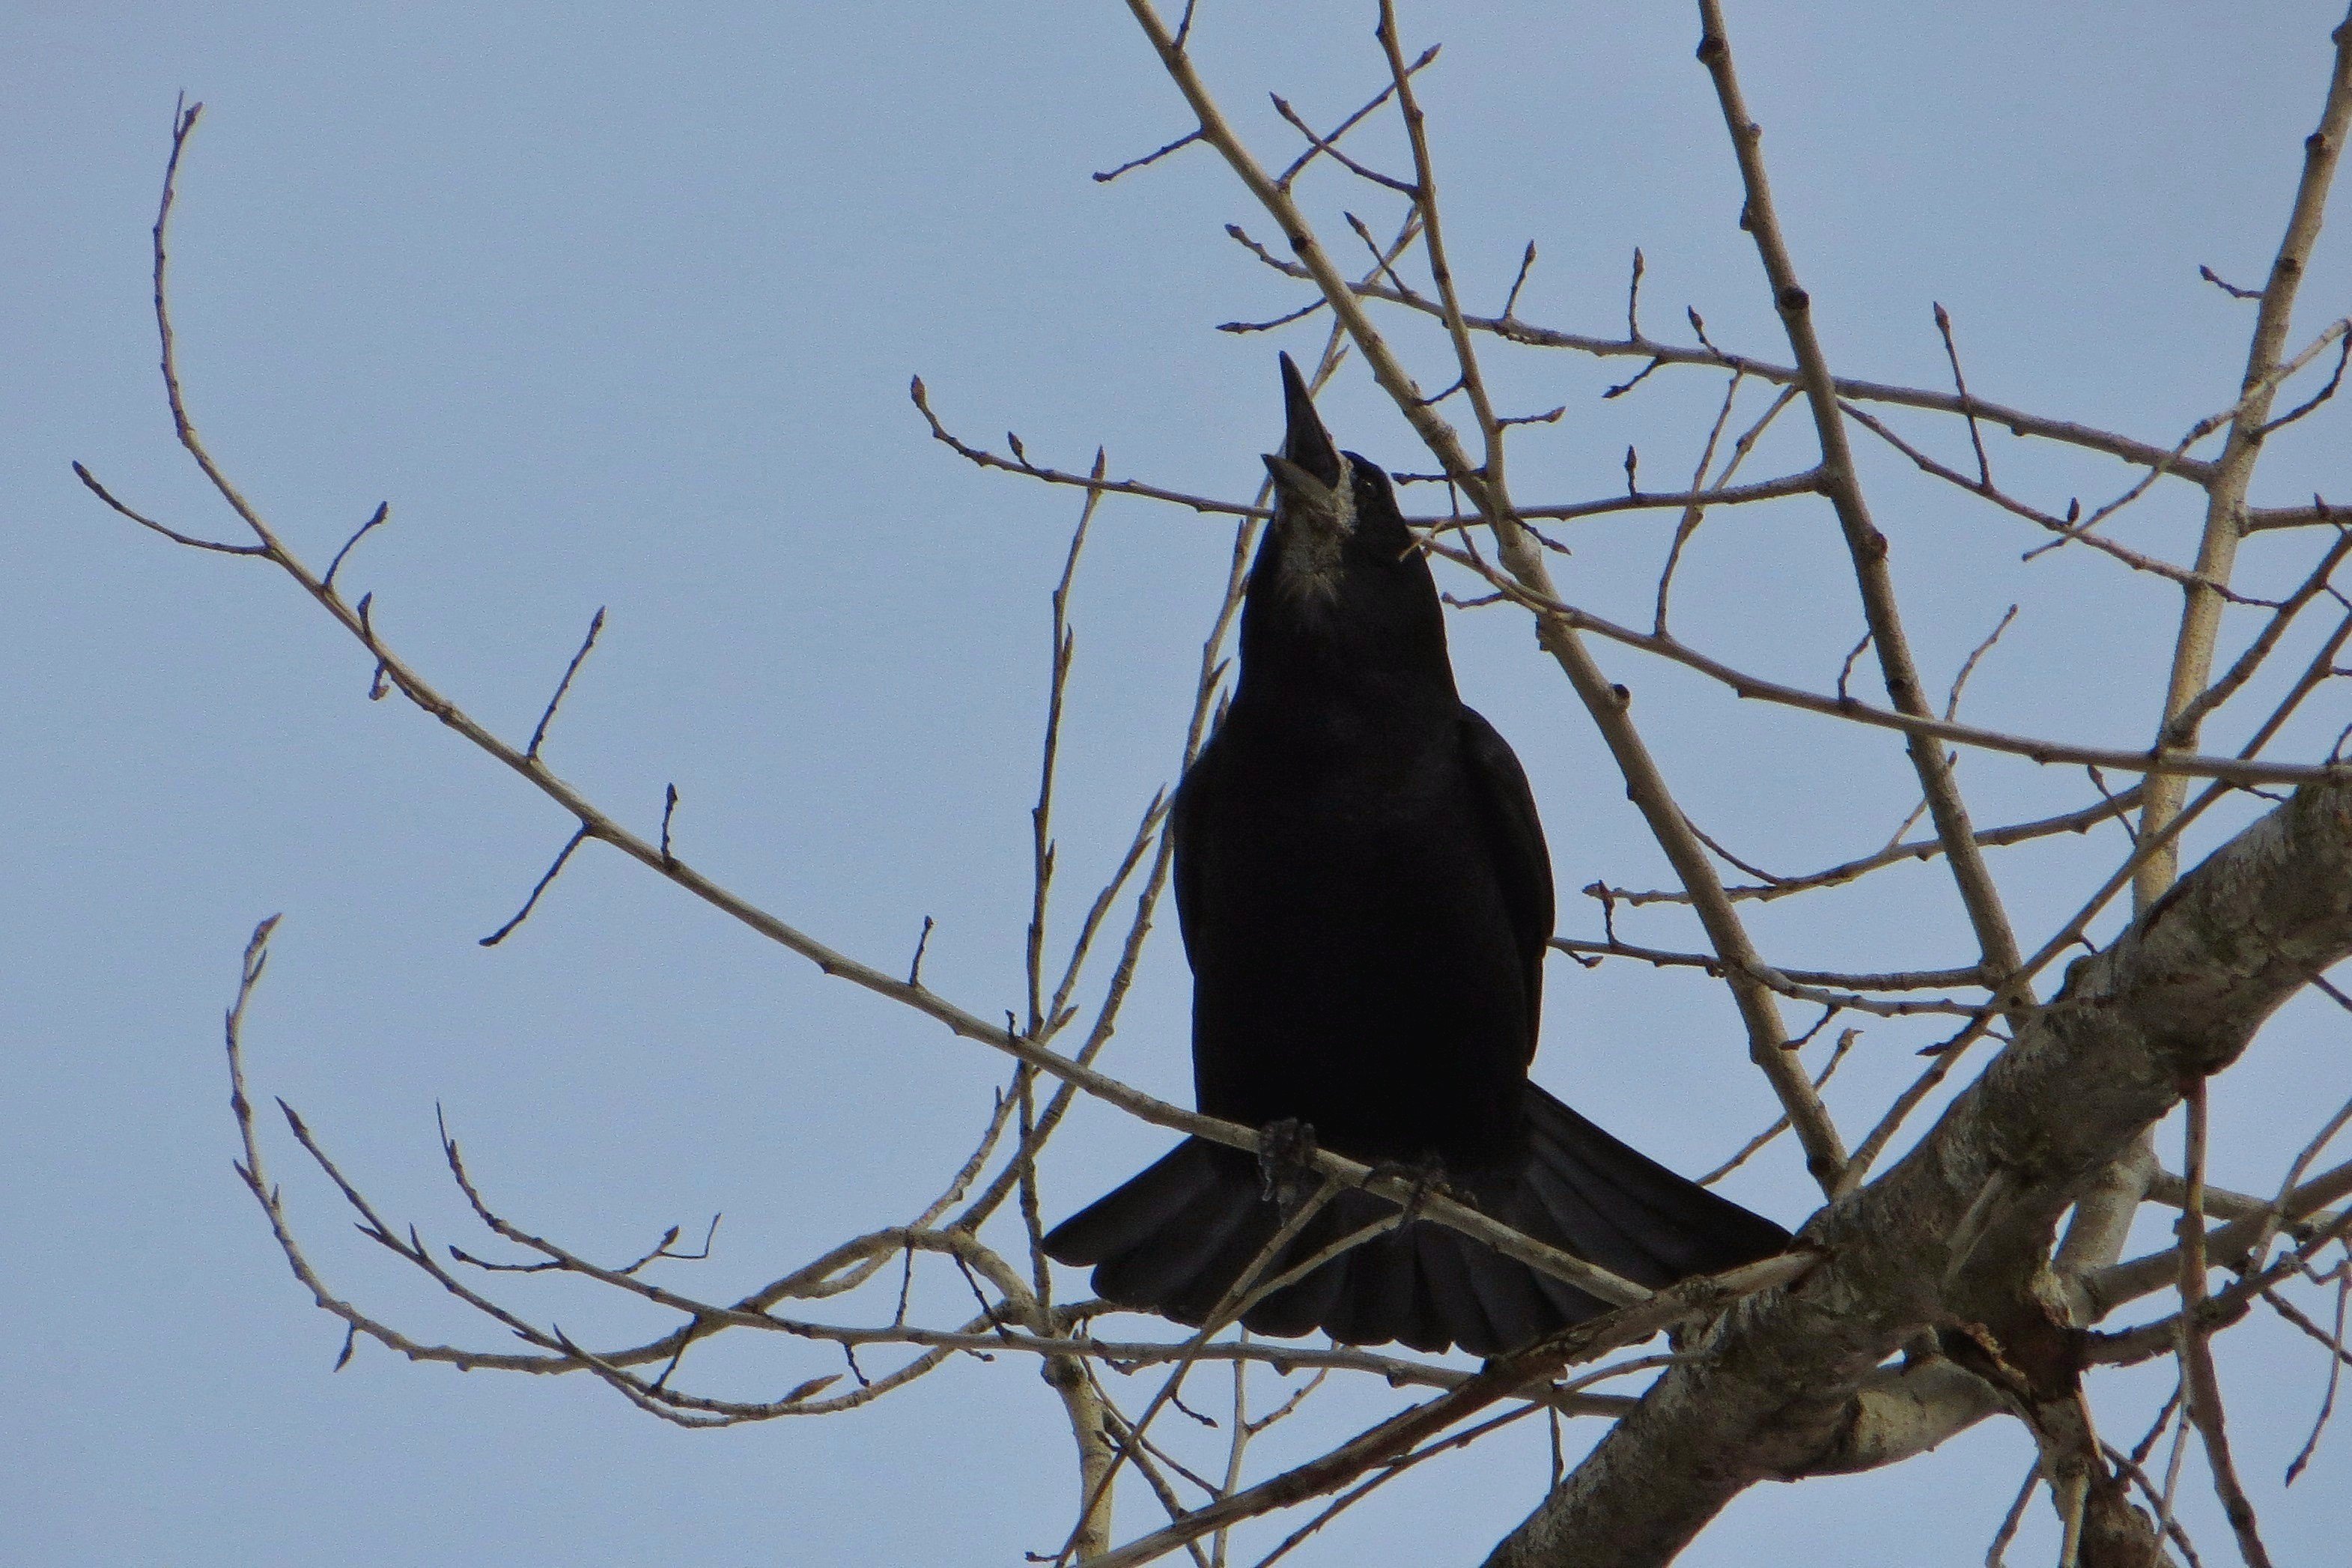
(1365, 895)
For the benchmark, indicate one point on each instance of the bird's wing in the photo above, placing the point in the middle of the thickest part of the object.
(1515, 835)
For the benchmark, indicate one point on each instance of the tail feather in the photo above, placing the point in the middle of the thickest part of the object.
(1570, 1304)
(1516, 1308)
(1666, 1228)
(1393, 1292)
(1241, 1246)
(1175, 1240)
(1141, 1208)
(1571, 1211)
(1382, 1281)
(1529, 1209)
(1430, 1318)
(1300, 1308)
(1179, 1265)
(1355, 1305)
(1446, 1272)
(1344, 1319)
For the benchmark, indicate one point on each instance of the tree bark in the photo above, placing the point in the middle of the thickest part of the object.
(1775, 1392)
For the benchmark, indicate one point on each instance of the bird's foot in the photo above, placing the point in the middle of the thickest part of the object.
(1285, 1163)
(1425, 1175)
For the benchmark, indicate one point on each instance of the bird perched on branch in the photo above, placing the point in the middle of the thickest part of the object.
(1365, 896)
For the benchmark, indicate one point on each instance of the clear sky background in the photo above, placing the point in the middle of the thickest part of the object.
(618, 312)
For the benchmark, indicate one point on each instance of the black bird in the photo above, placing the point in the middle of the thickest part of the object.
(1365, 896)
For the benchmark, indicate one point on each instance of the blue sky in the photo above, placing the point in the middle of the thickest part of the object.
(620, 312)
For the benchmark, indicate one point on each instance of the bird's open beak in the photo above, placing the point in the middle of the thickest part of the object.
(1304, 440)
(1309, 473)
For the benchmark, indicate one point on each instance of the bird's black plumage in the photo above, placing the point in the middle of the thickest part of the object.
(1365, 895)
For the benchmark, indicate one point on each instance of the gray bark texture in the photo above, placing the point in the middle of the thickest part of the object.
(1792, 1382)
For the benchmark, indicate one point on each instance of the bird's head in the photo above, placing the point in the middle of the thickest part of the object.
(1340, 586)
(1336, 523)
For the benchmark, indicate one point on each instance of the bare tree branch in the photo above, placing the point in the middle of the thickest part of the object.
(2179, 996)
(2192, 658)
(1864, 542)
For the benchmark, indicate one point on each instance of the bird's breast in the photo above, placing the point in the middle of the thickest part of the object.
(1354, 964)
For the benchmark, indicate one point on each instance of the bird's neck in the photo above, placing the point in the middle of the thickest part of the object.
(1328, 683)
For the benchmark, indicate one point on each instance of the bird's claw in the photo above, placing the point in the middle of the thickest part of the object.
(1285, 1163)
(1425, 1175)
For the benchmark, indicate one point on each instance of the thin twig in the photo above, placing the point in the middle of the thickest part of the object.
(2334, 380)
(522, 914)
(1961, 386)
(2224, 284)
(173, 534)
(1800, 985)
(1318, 144)
(2203, 1397)
(1996, 1554)
(1754, 1145)
(1105, 176)
(2335, 1342)
(1331, 148)
(382, 510)
(1527, 265)
(587, 644)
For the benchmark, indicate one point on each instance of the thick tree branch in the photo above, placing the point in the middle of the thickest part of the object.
(2200, 622)
(1772, 1394)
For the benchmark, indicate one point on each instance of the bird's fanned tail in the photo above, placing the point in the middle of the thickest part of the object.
(1175, 1238)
